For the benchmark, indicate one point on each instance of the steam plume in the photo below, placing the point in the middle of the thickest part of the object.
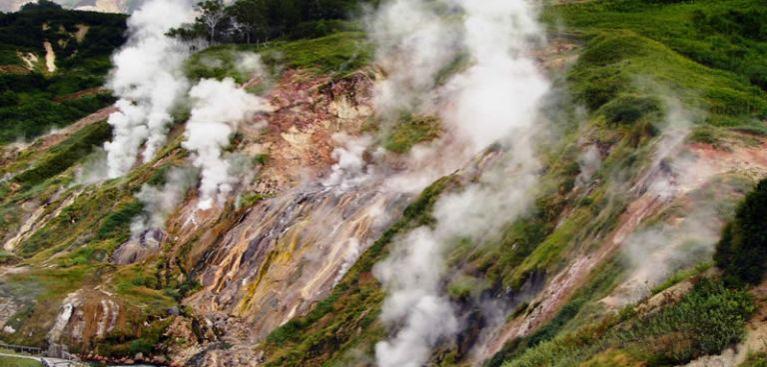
(217, 108)
(657, 251)
(159, 202)
(494, 100)
(350, 169)
(414, 43)
(149, 80)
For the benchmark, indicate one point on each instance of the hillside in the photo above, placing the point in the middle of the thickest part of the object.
(579, 183)
(52, 64)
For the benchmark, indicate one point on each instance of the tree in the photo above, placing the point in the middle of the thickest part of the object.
(249, 18)
(212, 13)
(282, 14)
(742, 251)
(41, 5)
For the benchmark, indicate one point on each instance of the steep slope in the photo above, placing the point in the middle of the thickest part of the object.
(652, 136)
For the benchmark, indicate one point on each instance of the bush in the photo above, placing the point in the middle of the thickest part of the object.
(412, 130)
(705, 321)
(118, 222)
(742, 251)
(627, 109)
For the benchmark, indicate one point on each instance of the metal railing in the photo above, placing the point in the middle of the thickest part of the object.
(57, 351)
(21, 348)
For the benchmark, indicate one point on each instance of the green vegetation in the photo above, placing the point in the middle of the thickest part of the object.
(7, 258)
(335, 54)
(681, 275)
(636, 58)
(705, 321)
(18, 362)
(62, 156)
(246, 21)
(726, 35)
(566, 319)
(633, 66)
(114, 224)
(30, 115)
(755, 360)
(35, 101)
(742, 251)
(635, 50)
(411, 130)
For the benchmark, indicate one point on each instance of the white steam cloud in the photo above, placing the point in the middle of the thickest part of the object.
(495, 100)
(159, 202)
(249, 64)
(589, 163)
(149, 80)
(501, 90)
(654, 253)
(350, 170)
(217, 109)
(414, 43)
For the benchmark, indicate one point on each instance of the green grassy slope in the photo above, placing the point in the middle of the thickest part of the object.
(35, 101)
(635, 56)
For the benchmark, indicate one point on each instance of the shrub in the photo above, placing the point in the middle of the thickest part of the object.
(627, 109)
(118, 222)
(705, 321)
(742, 251)
(411, 131)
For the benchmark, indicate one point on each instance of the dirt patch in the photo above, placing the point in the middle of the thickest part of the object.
(82, 30)
(13, 69)
(83, 93)
(50, 57)
(30, 59)
(58, 136)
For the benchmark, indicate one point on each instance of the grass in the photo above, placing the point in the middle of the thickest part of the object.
(334, 54)
(6, 361)
(705, 321)
(72, 251)
(726, 35)
(338, 53)
(43, 289)
(633, 55)
(64, 155)
(571, 314)
(755, 360)
(681, 275)
(628, 44)
(7, 258)
(34, 102)
(411, 130)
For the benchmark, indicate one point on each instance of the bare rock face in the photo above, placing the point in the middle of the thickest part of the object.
(287, 253)
(138, 249)
(288, 250)
(8, 308)
(85, 316)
